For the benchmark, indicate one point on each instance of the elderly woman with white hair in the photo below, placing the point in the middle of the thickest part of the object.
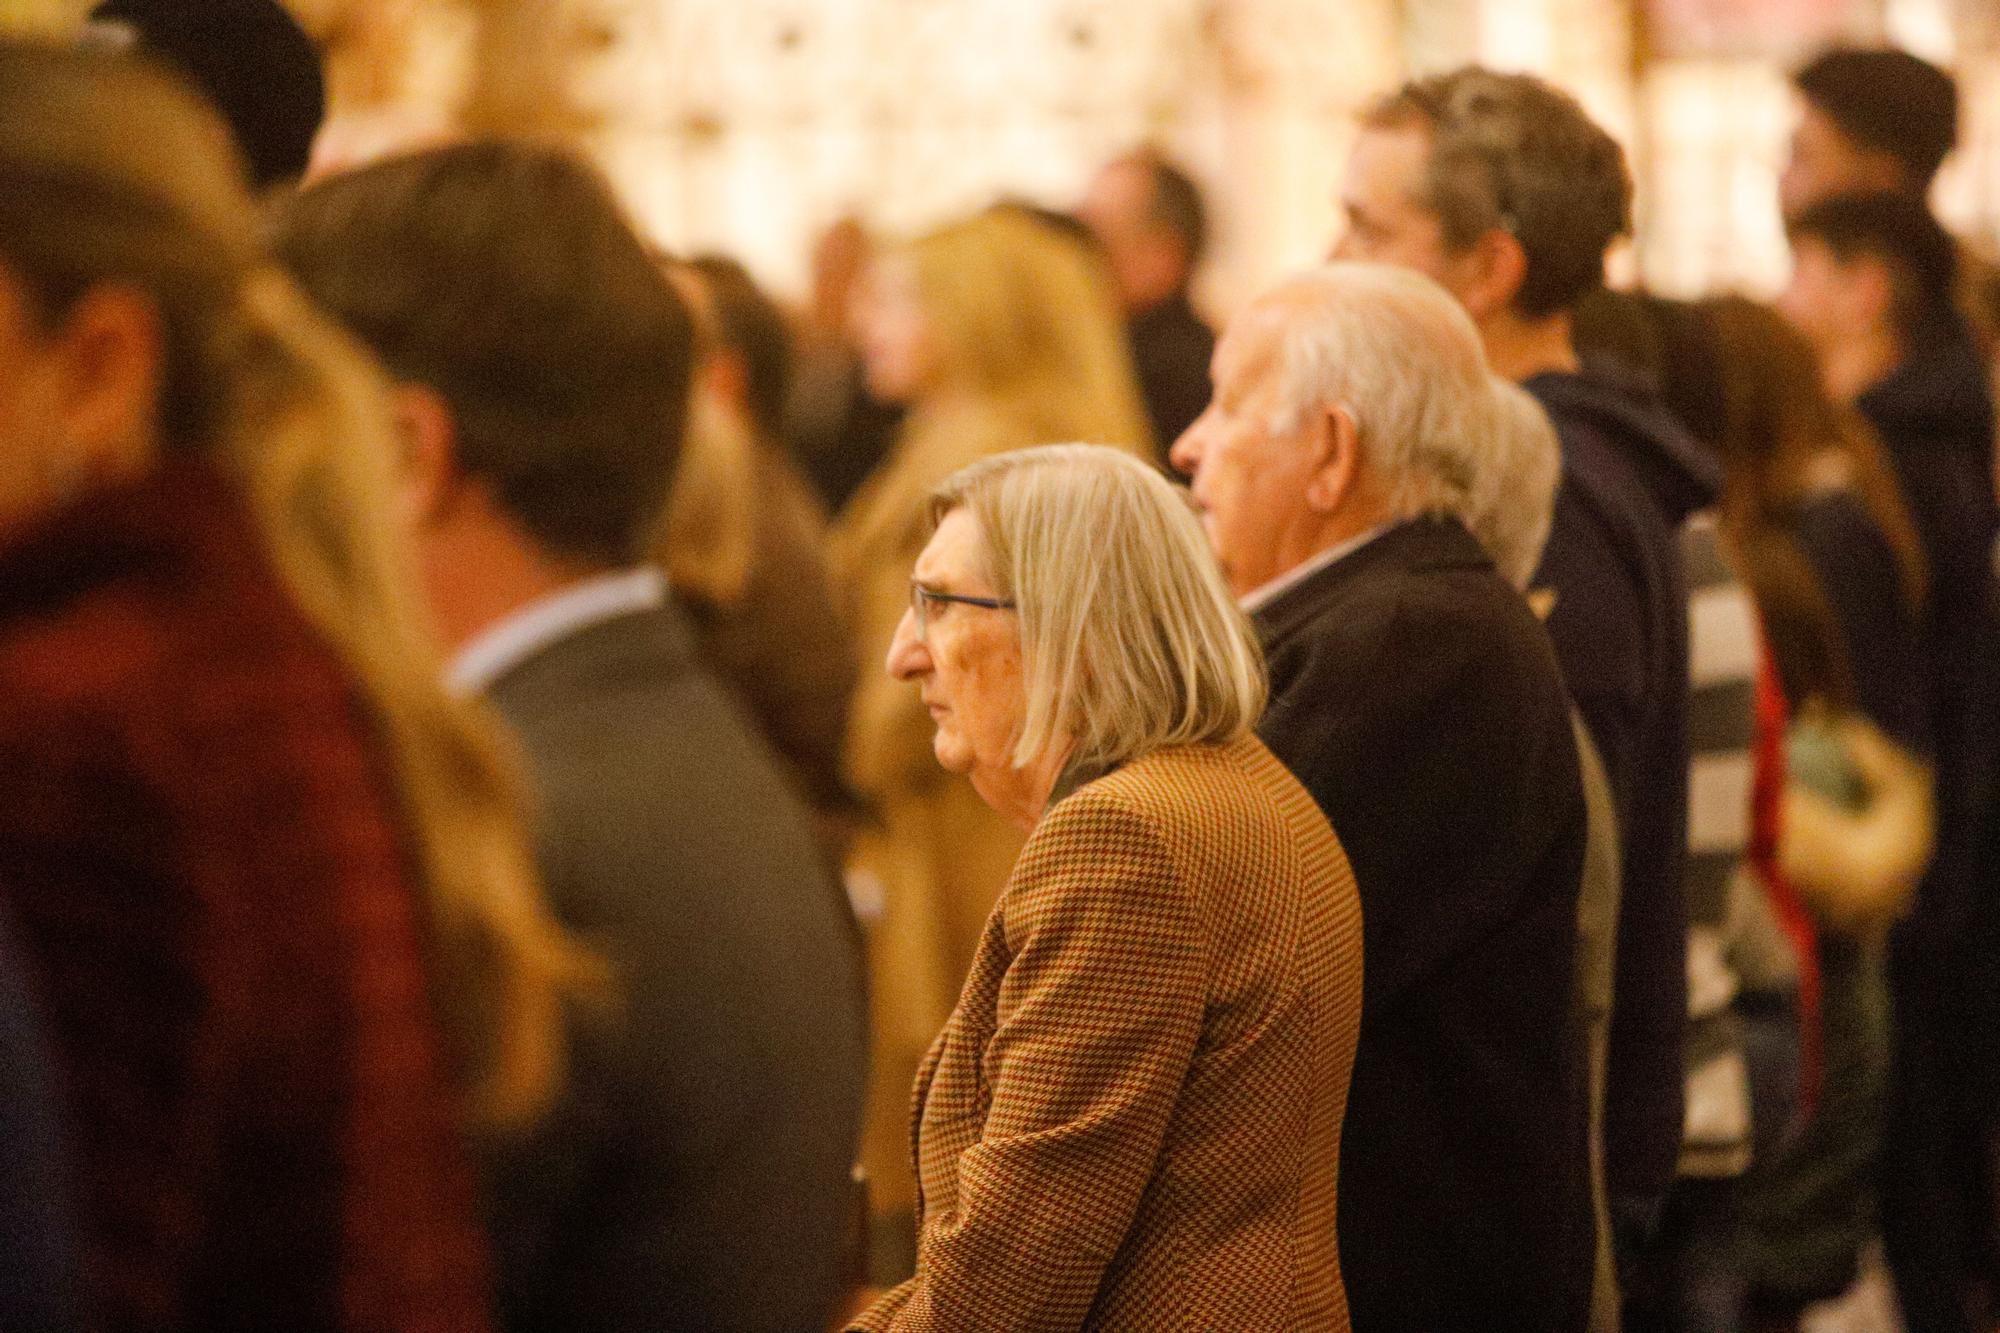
(1133, 1115)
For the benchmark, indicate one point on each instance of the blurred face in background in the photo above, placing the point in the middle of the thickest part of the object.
(1824, 162)
(897, 341)
(1148, 262)
(1830, 300)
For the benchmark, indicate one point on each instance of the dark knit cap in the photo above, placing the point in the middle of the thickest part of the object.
(1889, 101)
(251, 59)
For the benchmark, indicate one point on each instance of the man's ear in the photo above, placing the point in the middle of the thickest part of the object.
(109, 352)
(1338, 438)
(430, 473)
(1489, 274)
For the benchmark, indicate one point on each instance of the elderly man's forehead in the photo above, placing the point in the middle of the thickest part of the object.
(1252, 342)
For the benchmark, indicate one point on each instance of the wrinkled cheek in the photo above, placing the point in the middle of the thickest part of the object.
(1222, 534)
(995, 721)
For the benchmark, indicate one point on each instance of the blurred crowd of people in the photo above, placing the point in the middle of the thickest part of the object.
(1460, 798)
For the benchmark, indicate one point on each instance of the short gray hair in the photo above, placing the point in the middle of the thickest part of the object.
(1513, 497)
(1130, 639)
(1404, 360)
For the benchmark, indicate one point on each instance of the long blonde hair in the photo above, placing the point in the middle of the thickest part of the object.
(1025, 317)
(110, 172)
(1031, 350)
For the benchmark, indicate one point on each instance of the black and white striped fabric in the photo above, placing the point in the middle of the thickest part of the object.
(1722, 659)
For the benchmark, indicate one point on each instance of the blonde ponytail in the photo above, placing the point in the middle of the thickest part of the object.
(308, 434)
(709, 538)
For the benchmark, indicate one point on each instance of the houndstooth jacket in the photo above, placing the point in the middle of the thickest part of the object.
(1132, 1119)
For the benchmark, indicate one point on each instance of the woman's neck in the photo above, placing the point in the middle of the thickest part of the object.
(1021, 795)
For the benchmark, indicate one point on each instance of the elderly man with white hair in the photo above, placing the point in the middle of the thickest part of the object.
(1416, 696)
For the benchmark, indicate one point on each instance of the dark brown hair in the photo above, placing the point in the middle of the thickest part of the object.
(1888, 101)
(505, 276)
(750, 325)
(1510, 152)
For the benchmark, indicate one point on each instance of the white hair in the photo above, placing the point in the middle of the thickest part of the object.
(1130, 639)
(1513, 496)
(1394, 351)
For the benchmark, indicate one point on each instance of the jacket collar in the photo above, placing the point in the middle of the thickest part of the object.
(1420, 545)
(1654, 448)
(644, 647)
(516, 638)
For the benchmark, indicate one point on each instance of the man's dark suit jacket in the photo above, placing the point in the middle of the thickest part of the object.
(37, 1251)
(697, 1173)
(1417, 698)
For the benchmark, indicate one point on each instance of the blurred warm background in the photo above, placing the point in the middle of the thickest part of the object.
(752, 124)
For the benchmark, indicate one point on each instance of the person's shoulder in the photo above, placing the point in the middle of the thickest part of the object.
(623, 716)
(1833, 513)
(1461, 607)
(1845, 545)
(1467, 635)
(1142, 805)
(1176, 796)
(172, 647)
(101, 643)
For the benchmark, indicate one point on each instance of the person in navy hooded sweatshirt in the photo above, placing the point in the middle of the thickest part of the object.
(1504, 191)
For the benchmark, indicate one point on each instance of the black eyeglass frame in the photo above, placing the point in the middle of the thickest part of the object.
(921, 599)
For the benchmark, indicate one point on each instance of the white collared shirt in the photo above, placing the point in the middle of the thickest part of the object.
(1259, 598)
(511, 641)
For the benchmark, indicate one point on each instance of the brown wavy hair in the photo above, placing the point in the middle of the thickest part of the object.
(1782, 435)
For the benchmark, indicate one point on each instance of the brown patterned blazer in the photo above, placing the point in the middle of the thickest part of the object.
(1132, 1119)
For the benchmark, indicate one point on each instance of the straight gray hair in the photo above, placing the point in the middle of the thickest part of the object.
(1513, 499)
(1130, 639)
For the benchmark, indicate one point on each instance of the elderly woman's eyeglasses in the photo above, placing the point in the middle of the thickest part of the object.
(922, 599)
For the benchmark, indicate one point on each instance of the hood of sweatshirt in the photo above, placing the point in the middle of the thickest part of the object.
(1681, 474)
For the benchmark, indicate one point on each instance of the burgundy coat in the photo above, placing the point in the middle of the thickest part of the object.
(200, 849)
